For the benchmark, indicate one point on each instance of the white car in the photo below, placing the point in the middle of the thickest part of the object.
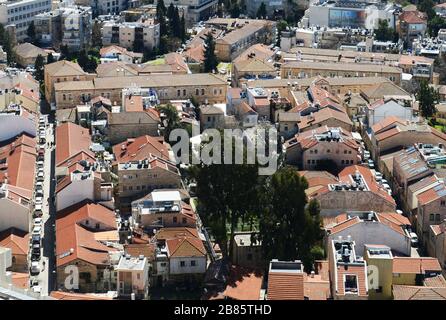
(37, 230)
(413, 239)
(38, 222)
(38, 201)
(40, 164)
(35, 268)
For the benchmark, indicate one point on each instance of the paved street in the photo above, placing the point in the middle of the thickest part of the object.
(46, 277)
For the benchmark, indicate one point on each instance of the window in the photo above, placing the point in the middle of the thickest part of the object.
(437, 217)
(184, 220)
(192, 263)
(350, 283)
(182, 263)
(178, 92)
(443, 203)
(138, 276)
(97, 225)
(175, 219)
(202, 92)
(328, 150)
(431, 217)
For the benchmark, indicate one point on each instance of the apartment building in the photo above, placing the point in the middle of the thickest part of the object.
(131, 35)
(104, 7)
(195, 10)
(80, 241)
(383, 108)
(365, 227)
(348, 271)
(240, 34)
(246, 253)
(308, 149)
(308, 69)
(355, 189)
(21, 14)
(410, 25)
(162, 209)
(138, 178)
(436, 246)
(27, 53)
(133, 276)
(76, 25)
(48, 27)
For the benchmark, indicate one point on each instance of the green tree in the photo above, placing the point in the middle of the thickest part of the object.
(31, 33)
(435, 24)
(227, 194)
(427, 6)
(183, 31)
(210, 59)
(39, 66)
(427, 98)
(171, 121)
(8, 48)
(261, 11)
(96, 36)
(281, 26)
(383, 32)
(288, 229)
(161, 12)
(86, 62)
(50, 58)
(235, 9)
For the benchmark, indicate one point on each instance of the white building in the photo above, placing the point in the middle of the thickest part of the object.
(14, 121)
(21, 13)
(76, 25)
(195, 10)
(125, 34)
(357, 15)
(133, 276)
(382, 109)
(14, 208)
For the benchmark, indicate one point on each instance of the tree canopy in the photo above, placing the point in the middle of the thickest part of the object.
(210, 58)
(384, 32)
(261, 11)
(427, 97)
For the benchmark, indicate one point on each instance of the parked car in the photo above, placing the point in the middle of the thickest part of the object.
(35, 238)
(40, 164)
(40, 176)
(38, 222)
(371, 164)
(413, 239)
(38, 200)
(37, 230)
(35, 268)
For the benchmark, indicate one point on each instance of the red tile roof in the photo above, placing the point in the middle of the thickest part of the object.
(243, 285)
(20, 161)
(141, 148)
(415, 265)
(285, 286)
(15, 239)
(70, 140)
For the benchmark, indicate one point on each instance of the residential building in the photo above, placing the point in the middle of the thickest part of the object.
(393, 133)
(310, 148)
(410, 25)
(195, 10)
(355, 189)
(381, 109)
(80, 233)
(348, 272)
(18, 241)
(48, 27)
(379, 260)
(247, 253)
(116, 53)
(16, 120)
(243, 284)
(141, 148)
(162, 209)
(27, 53)
(431, 211)
(436, 246)
(133, 276)
(414, 270)
(180, 256)
(138, 178)
(212, 116)
(76, 26)
(325, 117)
(104, 7)
(365, 227)
(285, 280)
(21, 13)
(131, 35)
